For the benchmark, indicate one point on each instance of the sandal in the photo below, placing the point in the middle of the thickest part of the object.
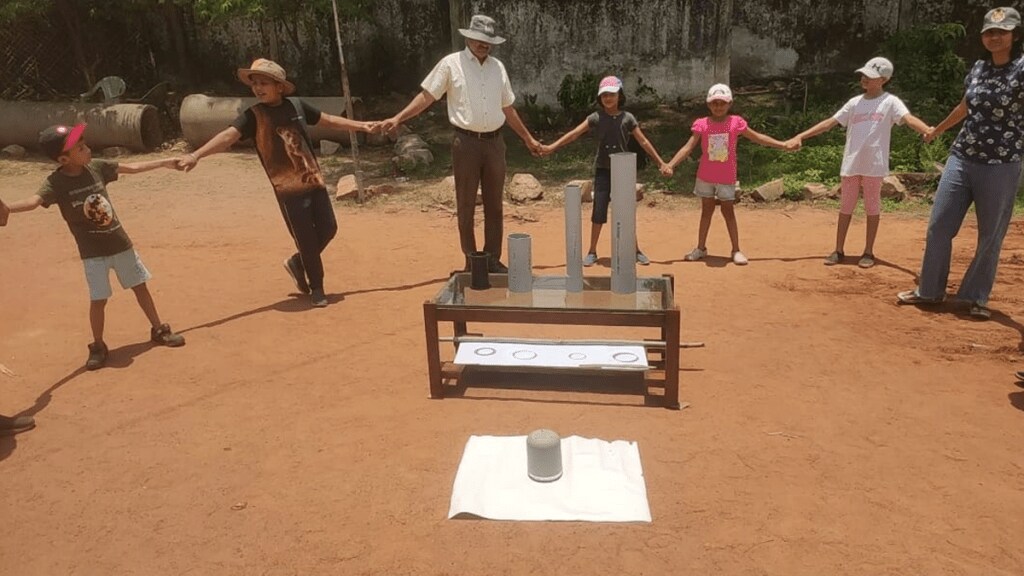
(1020, 375)
(866, 261)
(834, 258)
(979, 312)
(912, 297)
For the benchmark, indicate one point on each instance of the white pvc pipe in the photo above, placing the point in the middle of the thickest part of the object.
(520, 263)
(573, 238)
(623, 222)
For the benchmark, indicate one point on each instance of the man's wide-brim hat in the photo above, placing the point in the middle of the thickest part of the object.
(267, 68)
(481, 28)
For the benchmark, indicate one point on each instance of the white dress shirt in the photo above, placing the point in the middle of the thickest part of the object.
(476, 92)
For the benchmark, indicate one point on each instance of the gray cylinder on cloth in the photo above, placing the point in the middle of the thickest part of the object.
(573, 238)
(134, 126)
(520, 263)
(544, 455)
(203, 117)
(623, 222)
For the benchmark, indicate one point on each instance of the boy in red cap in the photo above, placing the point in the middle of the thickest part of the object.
(277, 125)
(78, 188)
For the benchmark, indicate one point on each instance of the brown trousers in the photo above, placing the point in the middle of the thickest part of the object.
(479, 163)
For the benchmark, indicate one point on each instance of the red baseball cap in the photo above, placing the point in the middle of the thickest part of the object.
(56, 140)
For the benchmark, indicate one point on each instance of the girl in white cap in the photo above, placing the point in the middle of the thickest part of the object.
(613, 127)
(716, 172)
(868, 119)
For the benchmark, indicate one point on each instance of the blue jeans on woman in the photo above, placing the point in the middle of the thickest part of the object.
(993, 189)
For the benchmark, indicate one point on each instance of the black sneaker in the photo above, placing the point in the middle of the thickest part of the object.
(164, 336)
(496, 267)
(317, 298)
(15, 424)
(97, 356)
(294, 267)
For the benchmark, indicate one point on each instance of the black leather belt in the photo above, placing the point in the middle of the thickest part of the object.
(481, 135)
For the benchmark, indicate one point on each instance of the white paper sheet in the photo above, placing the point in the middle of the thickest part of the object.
(601, 482)
(552, 355)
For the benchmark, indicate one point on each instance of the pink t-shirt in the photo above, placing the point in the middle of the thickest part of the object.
(718, 148)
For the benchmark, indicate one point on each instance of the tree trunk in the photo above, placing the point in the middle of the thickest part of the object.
(70, 17)
(176, 33)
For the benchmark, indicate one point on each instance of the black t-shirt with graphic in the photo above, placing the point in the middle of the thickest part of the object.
(85, 206)
(283, 145)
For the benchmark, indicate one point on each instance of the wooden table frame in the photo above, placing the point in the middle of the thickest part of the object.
(663, 374)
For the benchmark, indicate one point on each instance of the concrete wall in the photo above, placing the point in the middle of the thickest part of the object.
(677, 47)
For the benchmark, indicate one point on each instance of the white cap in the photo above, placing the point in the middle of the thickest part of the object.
(719, 92)
(877, 67)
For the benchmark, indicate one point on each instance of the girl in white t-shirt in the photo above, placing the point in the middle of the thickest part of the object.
(868, 119)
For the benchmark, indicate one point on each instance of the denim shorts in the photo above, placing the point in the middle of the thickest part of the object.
(726, 192)
(127, 265)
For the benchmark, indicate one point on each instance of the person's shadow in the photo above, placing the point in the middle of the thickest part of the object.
(117, 358)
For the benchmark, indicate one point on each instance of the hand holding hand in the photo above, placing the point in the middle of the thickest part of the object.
(665, 169)
(388, 125)
(930, 134)
(187, 162)
(536, 148)
(793, 144)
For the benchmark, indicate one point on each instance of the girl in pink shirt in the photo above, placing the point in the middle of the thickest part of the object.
(716, 173)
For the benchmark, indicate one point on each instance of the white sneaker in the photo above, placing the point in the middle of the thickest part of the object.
(696, 254)
(739, 259)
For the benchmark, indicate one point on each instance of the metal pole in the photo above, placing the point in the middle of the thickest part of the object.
(353, 138)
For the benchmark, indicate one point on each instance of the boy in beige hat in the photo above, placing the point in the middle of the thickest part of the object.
(277, 124)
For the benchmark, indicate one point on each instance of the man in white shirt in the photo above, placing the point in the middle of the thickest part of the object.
(480, 102)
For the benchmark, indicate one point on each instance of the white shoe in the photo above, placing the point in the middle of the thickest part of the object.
(696, 254)
(739, 259)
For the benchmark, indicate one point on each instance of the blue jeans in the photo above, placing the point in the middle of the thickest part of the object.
(992, 188)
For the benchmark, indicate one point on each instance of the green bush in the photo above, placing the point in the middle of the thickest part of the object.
(576, 95)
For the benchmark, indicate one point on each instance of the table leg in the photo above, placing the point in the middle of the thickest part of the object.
(433, 351)
(671, 335)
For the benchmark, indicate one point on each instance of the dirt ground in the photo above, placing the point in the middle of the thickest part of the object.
(828, 430)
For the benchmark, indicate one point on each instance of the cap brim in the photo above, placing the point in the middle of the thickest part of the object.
(998, 27)
(608, 90)
(474, 35)
(868, 72)
(719, 97)
(245, 73)
(73, 137)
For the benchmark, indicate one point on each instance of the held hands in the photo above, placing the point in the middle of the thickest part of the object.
(793, 144)
(665, 169)
(536, 148)
(187, 162)
(388, 125)
(930, 134)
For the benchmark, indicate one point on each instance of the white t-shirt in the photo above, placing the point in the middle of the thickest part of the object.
(476, 92)
(868, 123)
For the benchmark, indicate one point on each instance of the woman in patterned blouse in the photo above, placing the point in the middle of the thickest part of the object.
(984, 167)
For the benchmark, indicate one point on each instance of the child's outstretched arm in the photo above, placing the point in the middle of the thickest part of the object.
(342, 123)
(916, 124)
(648, 147)
(764, 140)
(26, 204)
(819, 128)
(681, 155)
(136, 167)
(568, 137)
(219, 143)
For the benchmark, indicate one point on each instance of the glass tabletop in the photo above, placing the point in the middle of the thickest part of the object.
(549, 293)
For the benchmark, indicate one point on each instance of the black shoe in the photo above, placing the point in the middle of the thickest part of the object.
(294, 267)
(317, 298)
(15, 424)
(496, 267)
(97, 356)
(164, 336)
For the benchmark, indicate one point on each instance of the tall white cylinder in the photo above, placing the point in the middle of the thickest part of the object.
(573, 238)
(520, 263)
(623, 222)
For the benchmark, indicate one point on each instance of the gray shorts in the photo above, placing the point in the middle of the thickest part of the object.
(726, 192)
(127, 265)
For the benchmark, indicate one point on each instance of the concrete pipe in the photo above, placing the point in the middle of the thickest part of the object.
(203, 117)
(134, 126)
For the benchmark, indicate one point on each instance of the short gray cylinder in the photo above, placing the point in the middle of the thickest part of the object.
(573, 238)
(623, 222)
(520, 263)
(544, 455)
(134, 126)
